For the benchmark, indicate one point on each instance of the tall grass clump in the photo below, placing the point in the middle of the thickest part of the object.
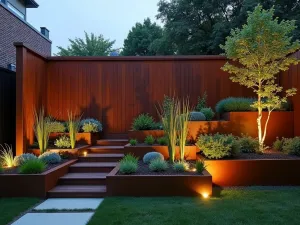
(41, 129)
(6, 156)
(73, 127)
(184, 117)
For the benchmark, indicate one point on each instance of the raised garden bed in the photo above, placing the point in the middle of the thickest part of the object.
(141, 149)
(81, 138)
(75, 152)
(32, 185)
(169, 183)
(140, 135)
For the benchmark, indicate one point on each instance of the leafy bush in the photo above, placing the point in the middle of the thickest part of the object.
(248, 144)
(7, 156)
(33, 166)
(63, 142)
(21, 159)
(217, 146)
(149, 140)
(233, 104)
(133, 142)
(56, 127)
(158, 165)
(50, 158)
(143, 122)
(162, 141)
(291, 146)
(278, 144)
(151, 156)
(197, 116)
(200, 166)
(90, 125)
(128, 164)
(181, 166)
(201, 102)
(208, 113)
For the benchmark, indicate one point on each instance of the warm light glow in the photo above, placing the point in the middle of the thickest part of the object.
(84, 154)
(205, 195)
(193, 170)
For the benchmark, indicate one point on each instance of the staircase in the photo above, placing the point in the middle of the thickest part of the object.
(87, 177)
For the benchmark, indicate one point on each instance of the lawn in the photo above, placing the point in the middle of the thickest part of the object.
(232, 207)
(13, 207)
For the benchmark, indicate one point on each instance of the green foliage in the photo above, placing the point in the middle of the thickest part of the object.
(141, 39)
(197, 116)
(21, 159)
(90, 125)
(63, 142)
(162, 141)
(291, 146)
(201, 102)
(149, 140)
(158, 165)
(73, 127)
(247, 144)
(208, 113)
(184, 112)
(41, 129)
(181, 166)
(151, 156)
(129, 164)
(235, 104)
(129, 158)
(92, 46)
(217, 146)
(143, 122)
(34, 166)
(56, 127)
(200, 166)
(278, 144)
(6, 156)
(262, 48)
(1, 169)
(50, 158)
(133, 142)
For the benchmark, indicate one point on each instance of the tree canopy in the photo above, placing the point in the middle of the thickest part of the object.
(92, 45)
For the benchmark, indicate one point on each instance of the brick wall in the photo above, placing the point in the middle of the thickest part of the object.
(13, 29)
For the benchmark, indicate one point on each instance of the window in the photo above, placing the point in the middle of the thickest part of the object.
(15, 10)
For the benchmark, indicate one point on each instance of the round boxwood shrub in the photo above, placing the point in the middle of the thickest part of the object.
(233, 104)
(90, 125)
(143, 122)
(208, 113)
(50, 158)
(21, 159)
(197, 116)
(158, 165)
(218, 146)
(151, 156)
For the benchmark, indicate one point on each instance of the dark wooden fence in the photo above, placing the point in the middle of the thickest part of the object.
(7, 106)
(117, 89)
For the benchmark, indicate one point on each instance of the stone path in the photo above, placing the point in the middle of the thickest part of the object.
(75, 211)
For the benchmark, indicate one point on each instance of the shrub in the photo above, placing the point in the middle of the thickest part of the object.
(197, 116)
(162, 141)
(50, 158)
(201, 102)
(128, 167)
(7, 156)
(278, 144)
(217, 146)
(208, 113)
(133, 142)
(291, 146)
(233, 104)
(56, 127)
(158, 165)
(151, 156)
(63, 142)
(143, 122)
(90, 125)
(200, 166)
(149, 140)
(33, 166)
(248, 144)
(21, 159)
(181, 166)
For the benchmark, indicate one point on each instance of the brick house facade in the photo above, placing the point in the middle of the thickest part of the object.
(15, 29)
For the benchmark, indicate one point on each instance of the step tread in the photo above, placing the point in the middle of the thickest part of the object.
(84, 176)
(106, 147)
(94, 164)
(79, 189)
(104, 155)
(113, 140)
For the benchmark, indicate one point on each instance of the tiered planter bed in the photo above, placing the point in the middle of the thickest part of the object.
(32, 185)
(81, 138)
(141, 149)
(158, 185)
(76, 151)
(140, 135)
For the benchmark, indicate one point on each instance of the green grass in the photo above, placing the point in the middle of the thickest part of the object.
(233, 207)
(13, 207)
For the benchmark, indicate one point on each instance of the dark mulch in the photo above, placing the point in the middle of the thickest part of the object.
(15, 170)
(143, 169)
